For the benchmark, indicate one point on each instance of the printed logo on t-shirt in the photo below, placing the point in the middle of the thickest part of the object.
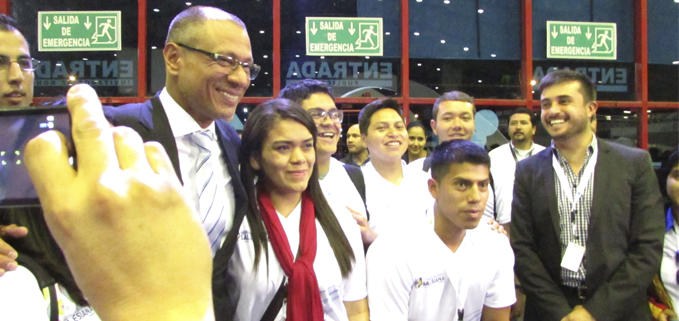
(245, 236)
(429, 281)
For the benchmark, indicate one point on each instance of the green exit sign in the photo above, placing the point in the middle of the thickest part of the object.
(79, 30)
(327, 36)
(581, 40)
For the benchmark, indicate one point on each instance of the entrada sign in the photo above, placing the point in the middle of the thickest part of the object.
(581, 40)
(79, 30)
(326, 36)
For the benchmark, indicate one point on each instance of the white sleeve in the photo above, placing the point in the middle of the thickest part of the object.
(504, 189)
(355, 284)
(501, 292)
(20, 296)
(490, 206)
(388, 285)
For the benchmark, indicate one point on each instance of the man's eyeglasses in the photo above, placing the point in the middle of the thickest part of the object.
(26, 64)
(228, 62)
(319, 114)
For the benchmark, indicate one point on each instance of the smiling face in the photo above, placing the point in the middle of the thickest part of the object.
(206, 90)
(16, 85)
(461, 195)
(328, 130)
(416, 140)
(355, 143)
(565, 114)
(454, 120)
(287, 158)
(387, 137)
(520, 128)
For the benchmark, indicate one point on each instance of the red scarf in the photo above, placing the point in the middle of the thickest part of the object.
(303, 298)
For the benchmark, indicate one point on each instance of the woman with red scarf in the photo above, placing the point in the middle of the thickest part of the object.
(291, 245)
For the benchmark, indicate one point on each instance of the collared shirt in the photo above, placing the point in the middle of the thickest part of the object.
(520, 154)
(580, 217)
(349, 159)
(183, 125)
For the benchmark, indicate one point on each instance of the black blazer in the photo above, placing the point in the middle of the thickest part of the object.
(624, 244)
(150, 121)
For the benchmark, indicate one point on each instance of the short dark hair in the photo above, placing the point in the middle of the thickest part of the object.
(8, 23)
(180, 28)
(302, 90)
(587, 87)
(456, 151)
(367, 112)
(664, 172)
(452, 96)
(524, 110)
(416, 124)
(260, 122)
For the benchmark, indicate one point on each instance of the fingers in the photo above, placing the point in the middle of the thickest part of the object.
(91, 132)
(159, 160)
(47, 162)
(13, 231)
(7, 254)
(130, 149)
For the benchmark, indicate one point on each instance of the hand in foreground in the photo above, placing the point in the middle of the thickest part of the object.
(495, 226)
(127, 231)
(579, 313)
(7, 254)
(367, 233)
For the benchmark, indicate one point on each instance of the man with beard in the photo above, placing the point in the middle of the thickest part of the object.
(587, 217)
(358, 153)
(504, 158)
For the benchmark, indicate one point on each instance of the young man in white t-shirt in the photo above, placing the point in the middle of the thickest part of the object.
(395, 198)
(455, 271)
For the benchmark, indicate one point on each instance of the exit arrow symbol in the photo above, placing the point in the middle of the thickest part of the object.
(588, 34)
(351, 29)
(314, 29)
(88, 23)
(47, 23)
(554, 33)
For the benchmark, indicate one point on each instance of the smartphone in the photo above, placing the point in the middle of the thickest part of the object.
(17, 127)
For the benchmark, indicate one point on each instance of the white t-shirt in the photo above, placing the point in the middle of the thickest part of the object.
(416, 166)
(21, 299)
(257, 289)
(416, 278)
(668, 266)
(396, 206)
(340, 191)
(502, 167)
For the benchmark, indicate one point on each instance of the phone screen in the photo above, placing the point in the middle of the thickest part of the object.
(17, 127)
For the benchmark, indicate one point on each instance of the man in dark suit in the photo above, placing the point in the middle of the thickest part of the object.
(587, 223)
(209, 65)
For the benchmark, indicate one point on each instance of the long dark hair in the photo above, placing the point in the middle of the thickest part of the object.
(664, 172)
(261, 121)
(41, 247)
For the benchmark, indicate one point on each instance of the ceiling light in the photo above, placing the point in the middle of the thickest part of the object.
(188, 3)
(265, 56)
(480, 10)
(443, 41)
(298, 32)
(387, 33)
(156, 10)
(627, 111)
(465, 48)
(419, 64)
(416, 33)
(493, 55)
(261, 31)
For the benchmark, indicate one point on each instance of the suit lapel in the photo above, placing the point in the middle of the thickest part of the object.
(162, 133)
(600, 188)
(550, 190)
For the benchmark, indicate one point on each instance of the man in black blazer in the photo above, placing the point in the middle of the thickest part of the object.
(587, 218)
(208, 63)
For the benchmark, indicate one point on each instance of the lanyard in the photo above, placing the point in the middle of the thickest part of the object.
(584, 181)
(516, 160)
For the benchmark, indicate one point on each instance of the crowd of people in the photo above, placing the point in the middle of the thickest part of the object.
(170, 215)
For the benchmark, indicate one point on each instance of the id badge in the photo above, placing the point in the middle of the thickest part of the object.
(573, 256)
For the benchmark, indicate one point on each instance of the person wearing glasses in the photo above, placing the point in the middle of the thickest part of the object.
(209, 66)
(16, 66)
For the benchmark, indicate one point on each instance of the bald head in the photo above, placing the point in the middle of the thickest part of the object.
(181, 28)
